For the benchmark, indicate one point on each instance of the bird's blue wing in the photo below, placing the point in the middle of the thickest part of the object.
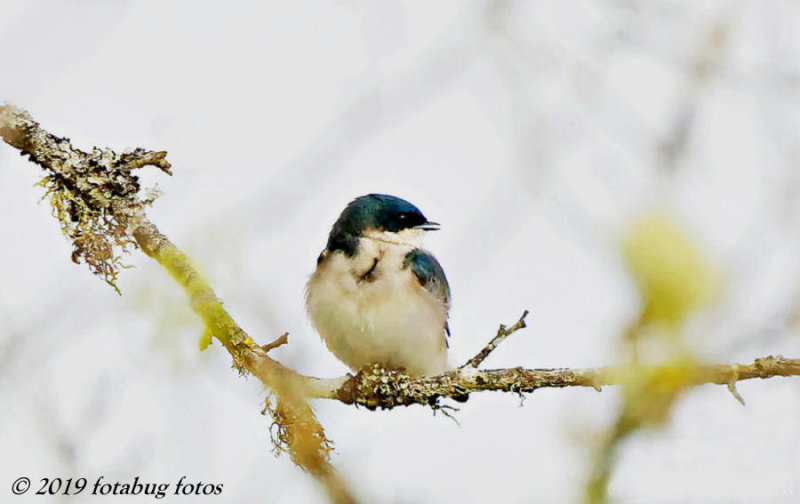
(431, 276)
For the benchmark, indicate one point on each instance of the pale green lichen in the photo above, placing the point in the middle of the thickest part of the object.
(98, 239)
(85, 190)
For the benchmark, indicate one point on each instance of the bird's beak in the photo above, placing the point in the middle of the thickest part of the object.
(428, 226)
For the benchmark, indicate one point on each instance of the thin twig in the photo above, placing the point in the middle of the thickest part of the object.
(732, 386)
(282, 340)
(502, 333)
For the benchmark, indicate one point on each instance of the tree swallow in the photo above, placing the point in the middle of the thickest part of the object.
(376, 297)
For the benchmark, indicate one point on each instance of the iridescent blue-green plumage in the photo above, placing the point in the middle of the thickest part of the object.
(380, 212)
(430, 275)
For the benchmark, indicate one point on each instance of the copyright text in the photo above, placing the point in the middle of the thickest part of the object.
(103, 486)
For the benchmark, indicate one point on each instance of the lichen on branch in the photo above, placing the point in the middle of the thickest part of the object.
(98, 239)
(82, 187)
(95, 198)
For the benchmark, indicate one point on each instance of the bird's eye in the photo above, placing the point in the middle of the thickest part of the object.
(403, 216)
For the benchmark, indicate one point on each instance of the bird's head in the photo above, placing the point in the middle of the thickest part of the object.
(378, 216)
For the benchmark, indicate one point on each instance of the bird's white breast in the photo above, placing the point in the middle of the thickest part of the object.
(385, 317)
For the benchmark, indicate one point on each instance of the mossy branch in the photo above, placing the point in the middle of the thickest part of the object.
(95, 197)
(381, 388)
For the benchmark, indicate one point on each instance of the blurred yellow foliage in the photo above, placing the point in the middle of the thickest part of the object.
(673, 276)
(649, 393)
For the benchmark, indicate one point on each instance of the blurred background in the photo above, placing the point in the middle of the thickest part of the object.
(536, 132)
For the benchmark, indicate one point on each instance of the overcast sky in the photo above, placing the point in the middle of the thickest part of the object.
(534, 132)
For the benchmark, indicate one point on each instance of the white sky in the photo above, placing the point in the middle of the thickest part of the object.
(530, 130)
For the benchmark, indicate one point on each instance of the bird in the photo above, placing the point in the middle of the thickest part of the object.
(375, 296)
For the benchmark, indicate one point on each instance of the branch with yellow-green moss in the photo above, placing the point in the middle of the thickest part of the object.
(382, 388)
(95, 197)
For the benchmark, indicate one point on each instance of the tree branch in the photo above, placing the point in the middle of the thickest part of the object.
(381, 388)
(95, 197)
(99, 192)
(502, 333)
